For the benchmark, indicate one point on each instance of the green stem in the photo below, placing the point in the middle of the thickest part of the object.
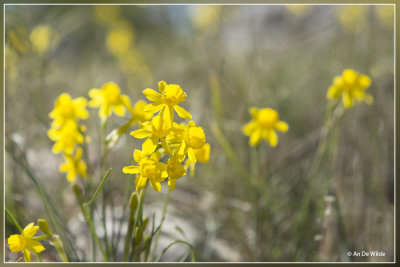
(128, 236)
(193, 257)
(158, 233)
(37, 256)
(90, 202)
(14, 220)
(89, 220)
(138, 220)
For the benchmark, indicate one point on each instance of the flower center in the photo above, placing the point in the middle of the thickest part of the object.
(175, 169)
(173, 95)
(68, 111)
(148, 168)
(267, 117)
(17, 243)
(195, 137)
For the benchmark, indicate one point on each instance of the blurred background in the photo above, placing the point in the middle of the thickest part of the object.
(227, 59)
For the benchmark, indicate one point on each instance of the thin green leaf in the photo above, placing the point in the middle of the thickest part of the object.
(98, 189)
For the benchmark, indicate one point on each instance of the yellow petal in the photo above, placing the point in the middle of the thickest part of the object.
(140, 182)
(282, 126)
(347, 100)
(156, 185)
(253, 112)
(334, 92)
(182, 112)
(27, 255)
(171, 184)
(249, 128)
(131, 169)
(364, 81)
(30, 230)
(271, 137)
(34, 245)
(255, 137)
(192, 155)
(119, 110)
(154, 107)
(161, 86)
(141, 133)
(137, 155)
(165, 145)
(148, 146)
(152, 95)
(168, 116)
(350, 76)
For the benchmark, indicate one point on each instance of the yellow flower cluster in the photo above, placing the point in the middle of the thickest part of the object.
(351, 88)
(25, 242)
(66, 132)
(263, 125)
(176, 140)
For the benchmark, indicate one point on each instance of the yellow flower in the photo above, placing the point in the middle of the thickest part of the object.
(155, 130)
(74, 165)
(42, 37)
(351, 88)
(202, 155)
(65, 137)
(189, 137)
(66, 108)
(149, 168)
(108, 98)
(119, 39)
(175, 170)
(25, 242)
(171, 95)
(137, 112)
(263, 125)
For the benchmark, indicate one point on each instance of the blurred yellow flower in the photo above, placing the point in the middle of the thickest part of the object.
(119, 39)
(19, 39)
(190, 137)
(263, 125)
(74, 165)
(386, 15)
(351, 88)
(205, 16)
(171, 95)
(25, 242)
(156, 130)
(175, 170)
(149, 168)
(137, 112)
(108, 98)
(66, 108)
(65, 137)
(42, 37)
(352, 17)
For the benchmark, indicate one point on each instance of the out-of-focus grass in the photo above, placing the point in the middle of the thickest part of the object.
(226, 59)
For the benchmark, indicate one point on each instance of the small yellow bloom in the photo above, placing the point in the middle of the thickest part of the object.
(108, 98)
(149, 168)
(65, 137)
(25, 242)
(74, 165)
(175, 170)
(351, 88)
(263, 125)
(137, 112)
(190, 137)
(171, 95)
(155, 130)
(202, 155)
(66, 108)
